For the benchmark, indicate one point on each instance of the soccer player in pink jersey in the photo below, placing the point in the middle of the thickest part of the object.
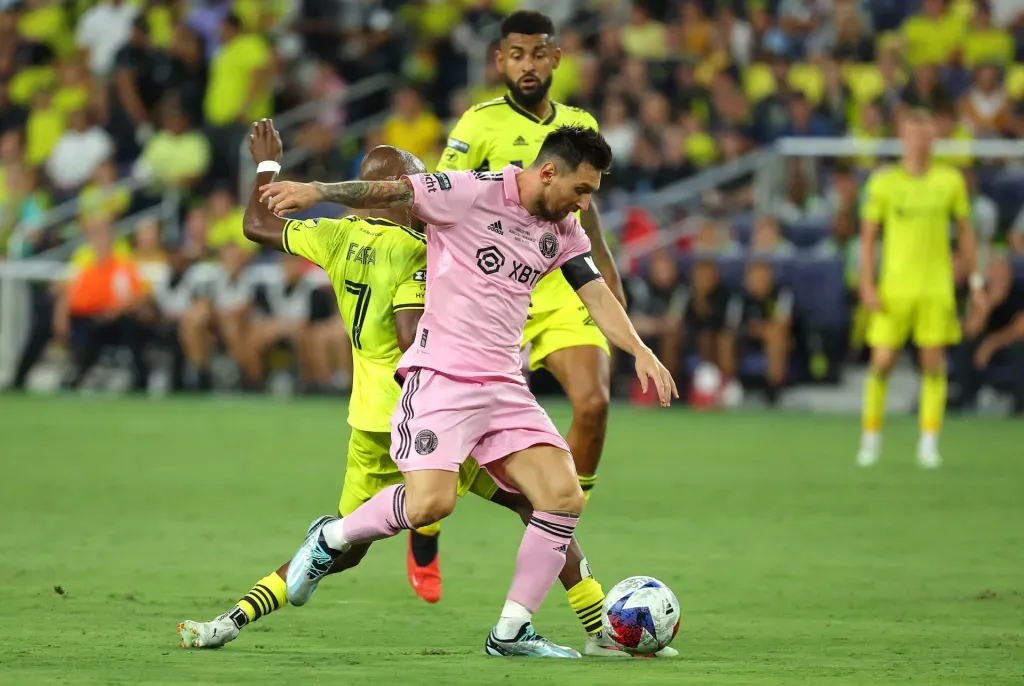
(490, 238)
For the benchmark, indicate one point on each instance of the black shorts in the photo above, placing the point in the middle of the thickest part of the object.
(322, 305)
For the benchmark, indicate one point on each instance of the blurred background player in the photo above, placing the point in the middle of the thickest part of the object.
(563, 338)
(992, 332)
(912, 203)
(289, 312)
(765, 324)
(100, 306)
(391, 258)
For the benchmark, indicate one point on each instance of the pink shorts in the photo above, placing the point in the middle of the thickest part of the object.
(441, 420)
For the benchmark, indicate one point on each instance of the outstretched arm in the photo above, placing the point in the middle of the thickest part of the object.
(286, 197)
(613, 322)
(591, 221)
(260, 224)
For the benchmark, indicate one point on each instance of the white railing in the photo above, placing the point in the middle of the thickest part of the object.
(769, 175)
(61, 214)
(287, 122)
(855, 147)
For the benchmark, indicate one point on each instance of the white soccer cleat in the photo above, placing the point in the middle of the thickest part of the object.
(213, 634)
(601, 645)
(870, 450)
(928, 454)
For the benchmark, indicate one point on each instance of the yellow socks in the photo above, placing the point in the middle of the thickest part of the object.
(933, 402)
(269, 594)
(586, 599)
(874, 403)
(587, 482)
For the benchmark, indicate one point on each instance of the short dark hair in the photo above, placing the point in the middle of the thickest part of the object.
(575, 145)
(528, 23)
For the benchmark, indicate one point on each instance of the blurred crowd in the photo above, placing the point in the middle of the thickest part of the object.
(160, 92)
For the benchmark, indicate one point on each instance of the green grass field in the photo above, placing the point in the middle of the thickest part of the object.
(792, 565)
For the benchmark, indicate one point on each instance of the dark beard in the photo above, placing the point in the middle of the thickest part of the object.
(528, 100)
(540, 209)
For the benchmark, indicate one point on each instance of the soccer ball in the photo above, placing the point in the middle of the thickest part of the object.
(641, 614)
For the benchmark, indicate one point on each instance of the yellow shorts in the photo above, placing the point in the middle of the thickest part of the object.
(369, 470)
(566, 327)
(933, 323)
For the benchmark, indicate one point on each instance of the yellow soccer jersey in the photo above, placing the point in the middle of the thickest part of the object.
(377, 268)
(914, 214)
(499, 132)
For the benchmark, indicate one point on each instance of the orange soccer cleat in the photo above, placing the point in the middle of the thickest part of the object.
(424, 576)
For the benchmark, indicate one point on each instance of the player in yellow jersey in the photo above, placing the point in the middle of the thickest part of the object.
(910, 206)
(377, 266)
(562, 337)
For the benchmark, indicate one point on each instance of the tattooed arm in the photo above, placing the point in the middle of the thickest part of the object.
(285, 197)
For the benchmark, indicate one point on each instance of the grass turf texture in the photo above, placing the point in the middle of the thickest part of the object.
(792, 566)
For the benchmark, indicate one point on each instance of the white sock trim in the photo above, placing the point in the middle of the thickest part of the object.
(513, 616)
(334, 534)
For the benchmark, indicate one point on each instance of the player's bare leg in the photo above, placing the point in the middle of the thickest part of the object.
(584, 372)
(233, 325)
(316, 354)
(546, 476)
(882, 361)
(196, 337)
(932, 405)
(776, 348)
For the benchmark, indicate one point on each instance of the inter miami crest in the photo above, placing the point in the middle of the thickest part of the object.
(426, 442)
(549, 245)
(489, 259)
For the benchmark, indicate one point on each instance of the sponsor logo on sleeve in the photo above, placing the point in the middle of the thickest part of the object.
(421, 275)
(456, 144)
(443, 181)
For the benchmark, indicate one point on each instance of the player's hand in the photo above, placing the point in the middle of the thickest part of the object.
(286, 197)
(650, 368)
(869, 298)
(265, 142)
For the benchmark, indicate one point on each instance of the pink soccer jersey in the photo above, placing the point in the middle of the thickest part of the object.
(485, 255)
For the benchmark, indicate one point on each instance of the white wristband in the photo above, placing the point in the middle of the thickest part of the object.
(268, 166)
(976, 281)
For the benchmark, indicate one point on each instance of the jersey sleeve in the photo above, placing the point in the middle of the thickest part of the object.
(411, 292)
(875, 201)
(442, 199)
(587, 120)
(318, 240)
(466, 149)
(960, 205)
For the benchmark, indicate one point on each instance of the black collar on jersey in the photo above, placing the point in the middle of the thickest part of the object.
(530, 115)
(376, 221)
